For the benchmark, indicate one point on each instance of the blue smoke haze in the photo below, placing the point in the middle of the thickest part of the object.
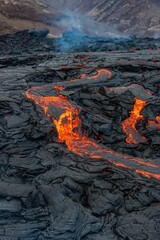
(80, 30)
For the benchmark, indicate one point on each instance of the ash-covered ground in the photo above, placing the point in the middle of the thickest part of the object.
(47, 191)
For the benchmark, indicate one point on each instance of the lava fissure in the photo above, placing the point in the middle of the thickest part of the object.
(69, 127)
(156, 123)
(129, 125)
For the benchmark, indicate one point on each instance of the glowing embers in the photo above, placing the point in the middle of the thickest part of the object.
(60, 88)
(129, 125)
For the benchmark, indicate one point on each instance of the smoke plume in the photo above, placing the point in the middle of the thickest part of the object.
(77, 28)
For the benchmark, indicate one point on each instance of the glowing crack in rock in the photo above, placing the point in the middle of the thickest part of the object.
(65, 116)
(129, 125)
(156, 123)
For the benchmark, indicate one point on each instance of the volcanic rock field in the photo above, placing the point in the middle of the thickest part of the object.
(79, 138)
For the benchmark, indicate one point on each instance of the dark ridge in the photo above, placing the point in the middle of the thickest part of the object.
(36, 41)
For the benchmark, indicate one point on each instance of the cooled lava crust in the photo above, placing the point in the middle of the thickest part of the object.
(49, 191)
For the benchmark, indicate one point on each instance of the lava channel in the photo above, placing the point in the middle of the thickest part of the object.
(129, 125)
(65, 116)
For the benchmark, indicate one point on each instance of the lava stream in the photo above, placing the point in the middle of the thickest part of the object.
(65, 116)
(129, 125)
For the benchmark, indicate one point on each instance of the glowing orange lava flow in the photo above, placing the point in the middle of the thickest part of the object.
(68, 124)
(129, 125)
(65, 116)
(67, 121)
(100, 73)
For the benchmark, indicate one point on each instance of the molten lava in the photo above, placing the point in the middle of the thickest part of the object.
(65, 116)
(69, 126)
(100, 72)
(129, 125)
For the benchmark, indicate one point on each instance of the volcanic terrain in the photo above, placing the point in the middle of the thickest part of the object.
(79, 137)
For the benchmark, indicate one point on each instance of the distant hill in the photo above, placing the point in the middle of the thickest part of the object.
(18, 15)
(140, 18)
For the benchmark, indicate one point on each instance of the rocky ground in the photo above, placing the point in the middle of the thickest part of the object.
(48, 192)
(38, 41)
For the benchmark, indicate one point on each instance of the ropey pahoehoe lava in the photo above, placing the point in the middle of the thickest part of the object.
(65, 116)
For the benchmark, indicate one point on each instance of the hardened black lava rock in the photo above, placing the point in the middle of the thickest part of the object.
(37, 41)
(48, 192)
